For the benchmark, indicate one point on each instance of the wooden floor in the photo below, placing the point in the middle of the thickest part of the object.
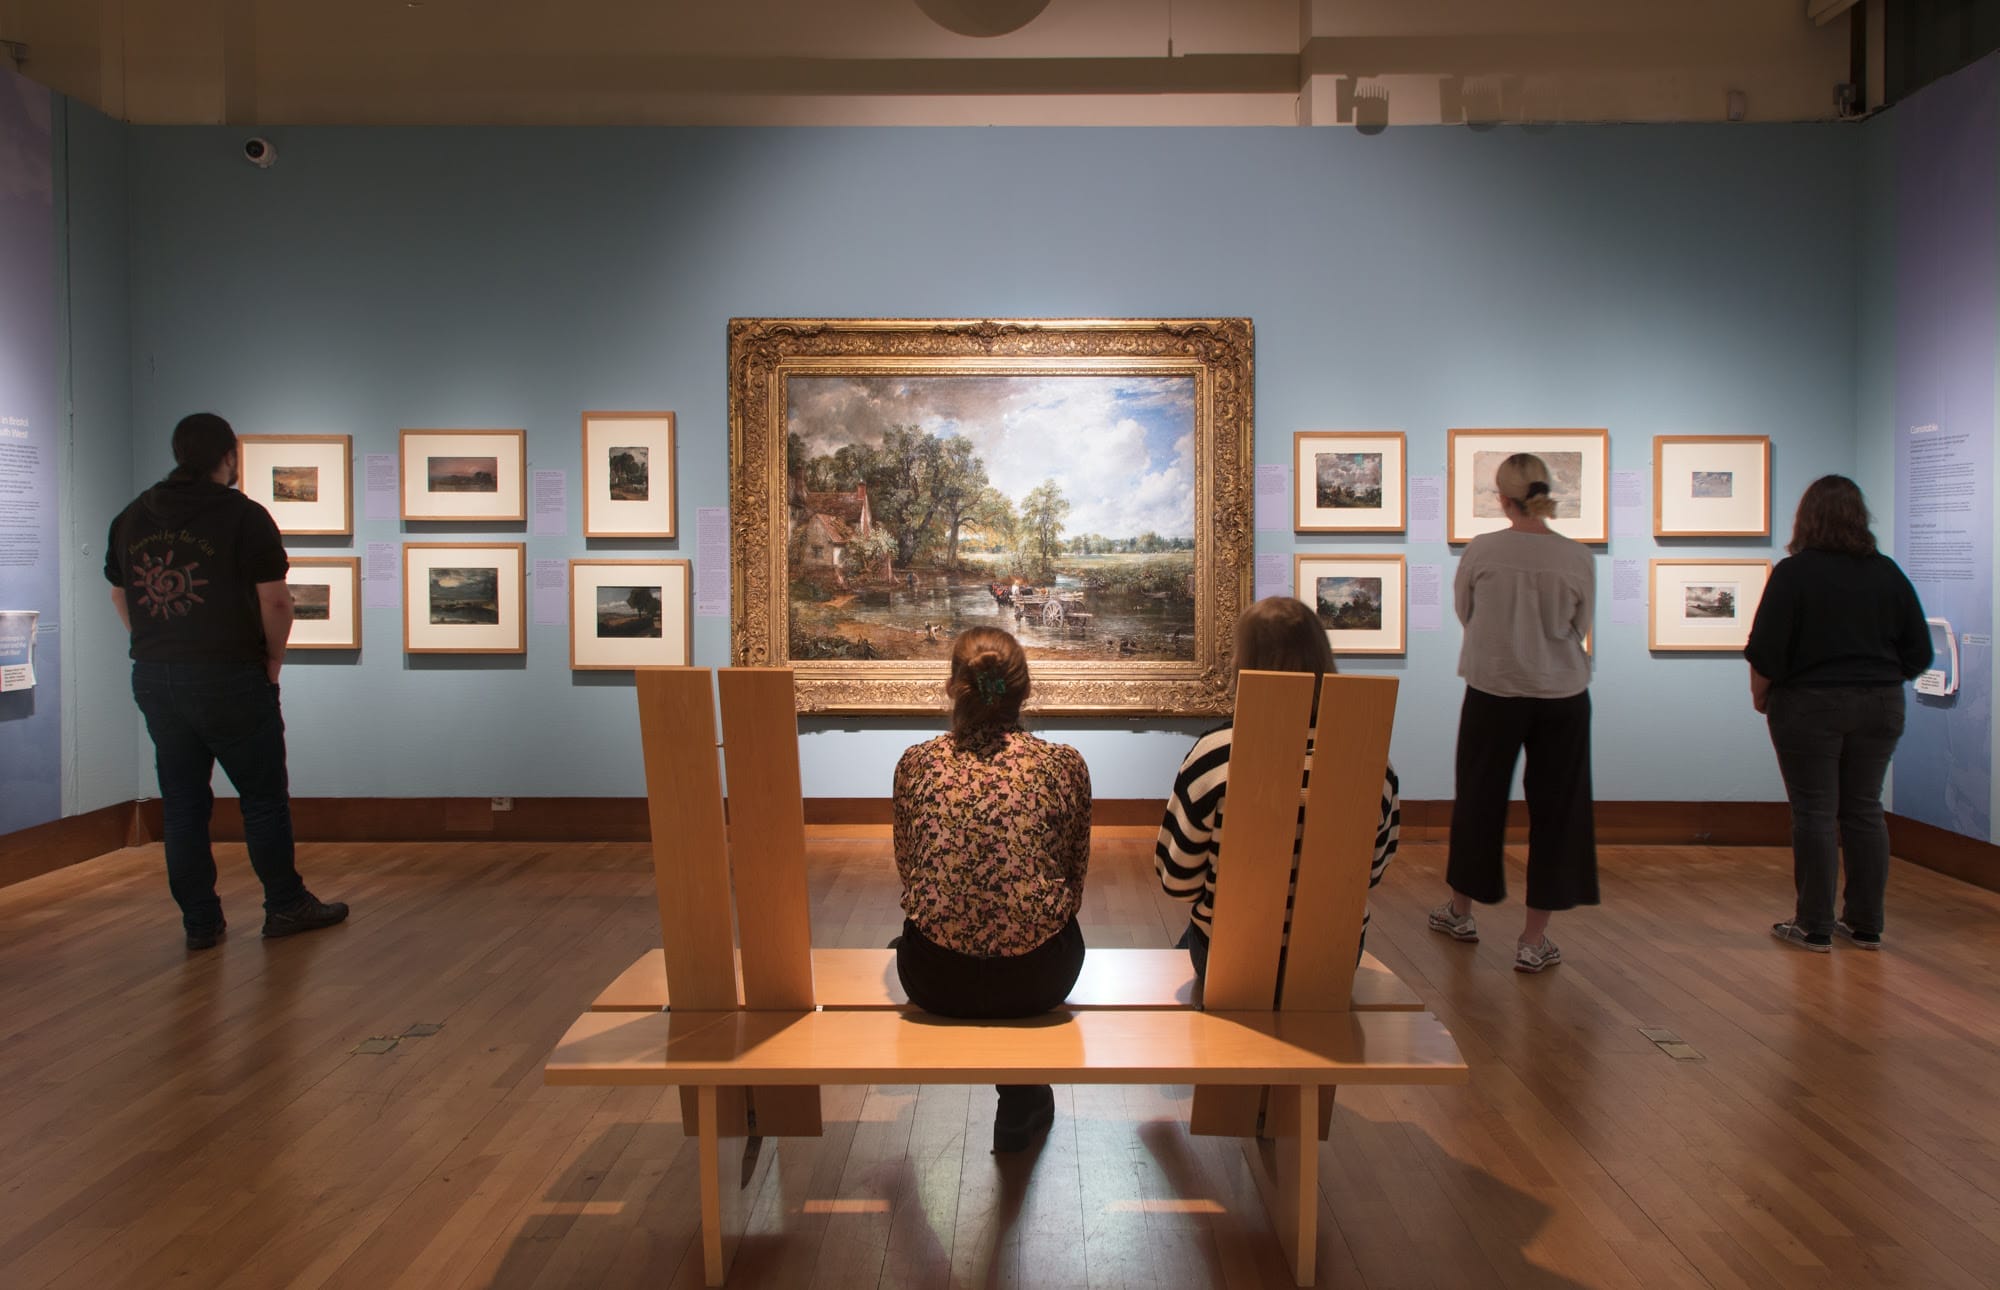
(206, 1120)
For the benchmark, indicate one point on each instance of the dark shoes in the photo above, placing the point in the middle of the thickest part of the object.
(1793, 934)
(206, 938)
(1022, 1116)
(309, 914)
(1861, 940)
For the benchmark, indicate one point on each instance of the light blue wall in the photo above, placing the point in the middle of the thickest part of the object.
(101, 728)
(1653, 280)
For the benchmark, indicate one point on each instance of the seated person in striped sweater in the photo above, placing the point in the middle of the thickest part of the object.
(1277, 634)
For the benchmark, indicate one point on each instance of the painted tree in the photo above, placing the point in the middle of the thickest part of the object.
(960, 484)
(645, 602)
(1042, 514)
(901, 479)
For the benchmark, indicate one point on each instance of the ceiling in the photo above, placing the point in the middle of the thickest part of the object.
(1172, 62)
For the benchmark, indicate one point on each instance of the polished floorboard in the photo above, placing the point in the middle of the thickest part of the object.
(215, 1120)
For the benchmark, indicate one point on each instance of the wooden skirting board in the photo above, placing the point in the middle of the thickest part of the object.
(51, 846)
(61, 843)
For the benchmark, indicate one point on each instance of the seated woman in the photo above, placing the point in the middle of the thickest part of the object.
(1277, 634)
(992, 843)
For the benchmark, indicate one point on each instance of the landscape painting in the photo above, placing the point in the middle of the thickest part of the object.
(465, 596)
(1565, 483)
(1060, 507)
(1349, 480)
(628, 613)
(1714, 483)
(1710, 600)
(312, 602)
(1349, 604)
(631, 479)
(295, 483)
(463, 474)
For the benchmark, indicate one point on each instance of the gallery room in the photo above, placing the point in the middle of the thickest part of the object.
(624, 630)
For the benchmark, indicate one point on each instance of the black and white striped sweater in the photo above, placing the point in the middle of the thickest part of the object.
(1191, 833)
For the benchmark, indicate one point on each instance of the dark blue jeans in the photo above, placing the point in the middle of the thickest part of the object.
(203, 713)
(1834, 746)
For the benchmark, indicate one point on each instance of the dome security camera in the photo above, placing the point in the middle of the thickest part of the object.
(261, 153)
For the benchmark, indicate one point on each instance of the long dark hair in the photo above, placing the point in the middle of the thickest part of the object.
(989, 680)
(1833, 516)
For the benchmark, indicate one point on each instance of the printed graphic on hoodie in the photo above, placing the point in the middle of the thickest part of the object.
(167, 590)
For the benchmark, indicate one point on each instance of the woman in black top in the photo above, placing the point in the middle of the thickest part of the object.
(1837, 634)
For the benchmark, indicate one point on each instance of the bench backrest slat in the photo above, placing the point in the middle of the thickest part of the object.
(1253, 871)
(1343, 815)
(767, 854)
(767, 835)
(690, 846)
(1254, 868)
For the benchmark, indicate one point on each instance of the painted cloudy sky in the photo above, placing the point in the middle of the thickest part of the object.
(1120, 447)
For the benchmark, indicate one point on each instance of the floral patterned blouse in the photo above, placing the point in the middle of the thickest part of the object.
(992, 839)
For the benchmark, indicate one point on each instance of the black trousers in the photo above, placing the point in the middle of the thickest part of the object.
(1834, 747)
(1562, 842)
(952, 984)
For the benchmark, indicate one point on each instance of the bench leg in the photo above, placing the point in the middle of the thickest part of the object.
(710, 1142)
(1288, 1175)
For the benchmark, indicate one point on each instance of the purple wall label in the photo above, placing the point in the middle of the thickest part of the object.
(30, 446)
(1947, 255)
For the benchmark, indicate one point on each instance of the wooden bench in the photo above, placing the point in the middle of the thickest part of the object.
(765, 1024)
(1112, 978)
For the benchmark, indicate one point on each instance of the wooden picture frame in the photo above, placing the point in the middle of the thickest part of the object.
(1373, 586)
(1349, 481)
(1707, 486)
(445, 613)
(464, 475)
(1164, 403)
(622, 641)
(628, 453)
(1703, 605)
(306, 481)
(1580, 461)
(328, 613)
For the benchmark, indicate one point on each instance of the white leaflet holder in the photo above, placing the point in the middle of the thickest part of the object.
(1941, 680)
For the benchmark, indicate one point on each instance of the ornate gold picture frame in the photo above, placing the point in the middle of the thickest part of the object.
(1084, 484)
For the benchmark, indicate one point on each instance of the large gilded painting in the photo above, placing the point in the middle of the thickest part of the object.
(1082, 484)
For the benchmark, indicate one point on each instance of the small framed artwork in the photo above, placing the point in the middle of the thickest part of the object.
(326, 602)
(1712, 485)
(1347, 481)
(1579, 463)
(465, 475)
(1704, 604)
(630, 613)
(464, 598)
(302, 479)
(1360, 600)
(628, 474)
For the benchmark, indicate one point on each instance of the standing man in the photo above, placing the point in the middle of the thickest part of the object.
(197, 574)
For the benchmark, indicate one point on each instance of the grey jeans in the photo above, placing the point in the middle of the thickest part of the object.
(1834, 746)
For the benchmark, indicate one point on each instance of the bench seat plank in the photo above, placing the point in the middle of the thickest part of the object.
(863, 1046)
(1112, 978)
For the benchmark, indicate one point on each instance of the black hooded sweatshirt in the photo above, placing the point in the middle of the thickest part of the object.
(189, 554)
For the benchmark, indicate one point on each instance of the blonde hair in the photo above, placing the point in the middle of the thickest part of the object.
(1523, 479)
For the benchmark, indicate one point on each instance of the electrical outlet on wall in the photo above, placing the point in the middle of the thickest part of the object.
(503, 803)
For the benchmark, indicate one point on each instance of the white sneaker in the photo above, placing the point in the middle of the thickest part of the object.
(1533, 958)
(1460, 927)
